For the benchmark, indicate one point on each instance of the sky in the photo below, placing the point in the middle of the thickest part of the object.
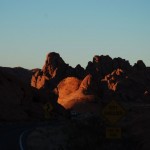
(76, 29)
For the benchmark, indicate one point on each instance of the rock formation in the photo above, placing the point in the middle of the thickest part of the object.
(74, 88)
(18, 100)
(80, 95)
(103, 78)
(103, 65)
(52, 72)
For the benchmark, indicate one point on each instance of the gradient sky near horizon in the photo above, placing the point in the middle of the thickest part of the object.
(76, 29)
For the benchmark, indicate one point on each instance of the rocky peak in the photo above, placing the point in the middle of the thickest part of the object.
(96, 59)
(80, 72)
(52, 64)
(140, 65)
(103, 65)
(121, 63)
(100, 66)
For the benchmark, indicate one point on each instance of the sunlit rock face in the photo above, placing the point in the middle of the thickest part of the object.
(113, 79)
(52, 71)
(78, 95)
(102, 78)
(67, 86)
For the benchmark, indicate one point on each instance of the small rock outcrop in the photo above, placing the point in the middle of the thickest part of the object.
(140, 65)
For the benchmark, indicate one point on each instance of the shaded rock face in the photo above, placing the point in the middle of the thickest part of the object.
(54, 65)
(113, 79)
(24, 75)
(132, 86)
(79, 71)
(11, 83)
(15, 96)
(20, 102)
(140, 65)
(103, 65)
(67, 135)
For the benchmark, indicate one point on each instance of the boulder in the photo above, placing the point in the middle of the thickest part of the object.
(76, 95)
(67, 86)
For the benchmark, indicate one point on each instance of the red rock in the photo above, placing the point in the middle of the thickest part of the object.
(140, 65)
(68, 86)
(73, 95)
(52, 72)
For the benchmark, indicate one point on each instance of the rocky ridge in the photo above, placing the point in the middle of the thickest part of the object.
(103, 78)
(77, 89)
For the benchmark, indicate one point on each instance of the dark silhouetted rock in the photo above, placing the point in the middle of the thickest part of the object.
(24, 75)
(140, 65)
(79, 71)
(15, 96)
(103, 65)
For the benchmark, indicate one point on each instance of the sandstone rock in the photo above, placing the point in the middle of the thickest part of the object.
(52, 72)
(89, 85)
(72, 95)
(113, 79)
(54, 65)
(68, 86)
(86, 83)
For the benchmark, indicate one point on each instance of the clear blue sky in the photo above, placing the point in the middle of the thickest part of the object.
(77, 29)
